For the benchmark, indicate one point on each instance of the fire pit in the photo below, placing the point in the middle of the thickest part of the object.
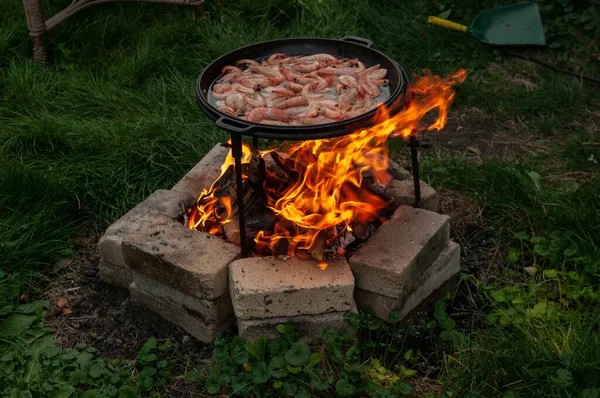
(326, 221)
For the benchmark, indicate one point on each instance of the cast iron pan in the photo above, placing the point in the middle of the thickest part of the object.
(348, 47)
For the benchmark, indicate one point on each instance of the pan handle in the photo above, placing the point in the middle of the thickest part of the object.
(232, 125)
(358, 40)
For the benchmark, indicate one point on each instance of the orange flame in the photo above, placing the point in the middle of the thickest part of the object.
(212, 212)
(328, 192)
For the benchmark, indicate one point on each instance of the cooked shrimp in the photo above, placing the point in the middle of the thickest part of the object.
(330, 59)
(235, 101)
(377, 74)
(307, 67)
(258, 114)
(361, 66)
(348, 81)
(331, 113)
(228, 110)
(295, 87)
(292, 102)
(250, 62)
(256, 100)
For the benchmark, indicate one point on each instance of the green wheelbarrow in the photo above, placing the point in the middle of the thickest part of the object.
(513, 25)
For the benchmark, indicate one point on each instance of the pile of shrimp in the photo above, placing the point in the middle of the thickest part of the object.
(298, 90)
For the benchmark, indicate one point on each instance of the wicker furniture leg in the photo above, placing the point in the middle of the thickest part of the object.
(37, 28)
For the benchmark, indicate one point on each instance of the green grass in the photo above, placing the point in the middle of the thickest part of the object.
(114, 118)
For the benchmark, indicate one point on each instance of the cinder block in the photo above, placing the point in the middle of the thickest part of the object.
(267, 287)
(204, 173)
(191, 262)
(390, 262)
(196, 326)
(168, 203)
(431, 279)
(115, 275)
(308, 326)
(213, 311)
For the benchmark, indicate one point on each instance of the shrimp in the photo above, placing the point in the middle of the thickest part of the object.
(329, 59)
(256, 100)
(295, 87)
(228, 110)
(369, 87)
(283, 92)
(361, 66)
(242, 89)
(236, 102)
(221, 88)
(254, 83)
(302, 111)
(266, 71)
(348, 81)
(307, 67)
(293, 77)
(315, 120)
(258, 114)
(377, 74)
(331, 113)
(276, 58)
(229, 69)
(250, 62)
(336, 71)
(292, 102)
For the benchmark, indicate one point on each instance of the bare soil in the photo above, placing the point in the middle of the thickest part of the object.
(102, 315)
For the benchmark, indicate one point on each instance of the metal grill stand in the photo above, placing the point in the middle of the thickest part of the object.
(236, 152)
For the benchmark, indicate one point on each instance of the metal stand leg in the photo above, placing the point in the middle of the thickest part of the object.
(414, 144)
(236, 151)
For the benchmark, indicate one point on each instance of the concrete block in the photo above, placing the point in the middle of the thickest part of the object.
(308, 326)
(188, 321)
(403, 192)
(390, 262)
(267, 287)
(441, 270)
(213, 311)
(191, 262)
(115, 274)
(204, 173)
(165, 202)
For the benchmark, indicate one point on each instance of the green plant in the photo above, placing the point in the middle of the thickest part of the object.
(31, 365)
(286, 366)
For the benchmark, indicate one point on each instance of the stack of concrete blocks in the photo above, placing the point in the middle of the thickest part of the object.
(409, 257)
(268, 291)
(198, 281)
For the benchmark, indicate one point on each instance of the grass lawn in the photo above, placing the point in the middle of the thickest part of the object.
(114, 118)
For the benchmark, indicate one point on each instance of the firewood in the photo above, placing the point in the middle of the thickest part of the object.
(317, 249)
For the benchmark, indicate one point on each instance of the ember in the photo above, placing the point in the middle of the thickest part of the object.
(312, 196)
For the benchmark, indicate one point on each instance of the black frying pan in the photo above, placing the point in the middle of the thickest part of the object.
(348, 47)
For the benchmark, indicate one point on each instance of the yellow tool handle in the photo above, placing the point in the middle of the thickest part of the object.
(447, 24)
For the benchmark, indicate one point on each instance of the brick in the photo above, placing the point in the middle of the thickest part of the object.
(431, 279)
(203, 174)
(115, 274)
(165, 202)
(266, 287)
(189, 261)
(217, 310)
(308, 326)
(193, 324)
(389, 263)
(403, 192)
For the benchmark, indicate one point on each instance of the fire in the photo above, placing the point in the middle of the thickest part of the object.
(327, 196)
